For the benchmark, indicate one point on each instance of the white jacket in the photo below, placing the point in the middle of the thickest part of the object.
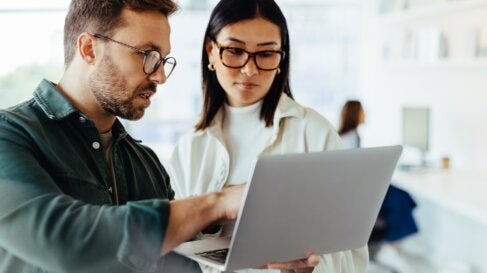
(200, 164)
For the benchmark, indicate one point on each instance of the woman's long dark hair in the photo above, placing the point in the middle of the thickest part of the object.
(229, 12)
(350, 116)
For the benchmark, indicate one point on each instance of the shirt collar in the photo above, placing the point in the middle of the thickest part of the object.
(52, 102)
(286, 107)
(57, 107)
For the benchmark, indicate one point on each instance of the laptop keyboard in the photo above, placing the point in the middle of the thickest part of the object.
(218, 255)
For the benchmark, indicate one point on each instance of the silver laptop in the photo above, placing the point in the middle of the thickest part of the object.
(295, 203)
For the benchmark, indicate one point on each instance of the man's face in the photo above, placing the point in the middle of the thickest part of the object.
(119, 83)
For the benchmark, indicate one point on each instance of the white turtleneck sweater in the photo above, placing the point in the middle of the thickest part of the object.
(245, 136)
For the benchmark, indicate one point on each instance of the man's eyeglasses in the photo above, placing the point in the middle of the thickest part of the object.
(234, 57)
(152, 58)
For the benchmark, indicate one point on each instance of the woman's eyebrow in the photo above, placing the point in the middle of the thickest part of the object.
(242, 42)
(267, 43)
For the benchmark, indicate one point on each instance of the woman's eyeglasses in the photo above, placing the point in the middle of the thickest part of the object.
(234, 57)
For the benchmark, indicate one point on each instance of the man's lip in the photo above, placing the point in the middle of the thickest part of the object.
(149, 94)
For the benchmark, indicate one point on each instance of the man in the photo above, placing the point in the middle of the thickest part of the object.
(77, 193)
(65, 160)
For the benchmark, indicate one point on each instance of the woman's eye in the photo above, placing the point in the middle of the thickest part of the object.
(266, 54)
(235, 51)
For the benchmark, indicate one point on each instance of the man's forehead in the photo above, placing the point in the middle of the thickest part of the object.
(150, 20)
(146, 27)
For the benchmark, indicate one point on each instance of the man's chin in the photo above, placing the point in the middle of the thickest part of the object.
(133, 118)
(135, 115)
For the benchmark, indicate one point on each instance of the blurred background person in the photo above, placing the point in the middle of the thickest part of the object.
(395, 221)
(351, 117)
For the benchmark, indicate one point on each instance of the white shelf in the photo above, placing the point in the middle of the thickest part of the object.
(460, 192)
(455, 64)
(451, 6)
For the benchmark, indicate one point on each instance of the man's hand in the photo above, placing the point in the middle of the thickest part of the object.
(230, 201)
(189, 216)
(305, 265)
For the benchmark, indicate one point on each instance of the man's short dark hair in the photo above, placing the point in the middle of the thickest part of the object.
(103, 16)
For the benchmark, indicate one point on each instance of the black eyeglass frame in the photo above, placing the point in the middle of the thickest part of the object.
(250, 55)
(144, 53)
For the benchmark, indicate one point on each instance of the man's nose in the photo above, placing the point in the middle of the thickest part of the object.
(159, 76)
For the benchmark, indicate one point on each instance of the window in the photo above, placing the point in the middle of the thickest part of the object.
(31, 50)
(325, 48)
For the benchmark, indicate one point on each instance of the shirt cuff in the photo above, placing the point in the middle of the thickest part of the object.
(144, 228)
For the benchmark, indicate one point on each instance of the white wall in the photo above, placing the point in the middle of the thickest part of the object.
(456, 93)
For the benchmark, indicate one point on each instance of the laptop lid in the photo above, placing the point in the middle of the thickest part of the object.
(323, 202)
(295, 203)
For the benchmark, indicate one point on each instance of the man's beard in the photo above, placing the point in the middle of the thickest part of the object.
(111, 92)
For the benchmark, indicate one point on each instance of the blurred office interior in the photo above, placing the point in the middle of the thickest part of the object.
(418, 66)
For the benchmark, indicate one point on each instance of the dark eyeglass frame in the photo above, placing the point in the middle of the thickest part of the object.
(250, 55)
(144, 53)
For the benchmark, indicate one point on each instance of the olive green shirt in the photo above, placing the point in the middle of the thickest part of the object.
(57, 212)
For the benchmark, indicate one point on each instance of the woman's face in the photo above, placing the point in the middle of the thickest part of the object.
(249, 84)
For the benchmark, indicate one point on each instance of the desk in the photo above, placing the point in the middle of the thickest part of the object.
(461, 192)
(451, 215)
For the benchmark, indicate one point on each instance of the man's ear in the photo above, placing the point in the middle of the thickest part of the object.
(85, 46)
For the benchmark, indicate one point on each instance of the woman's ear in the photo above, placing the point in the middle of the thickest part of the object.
(209, 45)
(85, 47)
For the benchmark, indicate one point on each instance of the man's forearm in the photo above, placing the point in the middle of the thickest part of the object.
(189, 216)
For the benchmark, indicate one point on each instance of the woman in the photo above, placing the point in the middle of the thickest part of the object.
(248, 111)
(395, 221)
(351, 117)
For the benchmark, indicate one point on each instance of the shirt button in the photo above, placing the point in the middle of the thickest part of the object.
(82, 119)
(95, 145)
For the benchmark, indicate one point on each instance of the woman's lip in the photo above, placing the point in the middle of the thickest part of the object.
(248, 84)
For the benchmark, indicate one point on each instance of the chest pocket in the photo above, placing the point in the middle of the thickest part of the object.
(83, 189)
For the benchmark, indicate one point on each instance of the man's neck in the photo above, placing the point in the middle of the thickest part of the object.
(73, 86)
